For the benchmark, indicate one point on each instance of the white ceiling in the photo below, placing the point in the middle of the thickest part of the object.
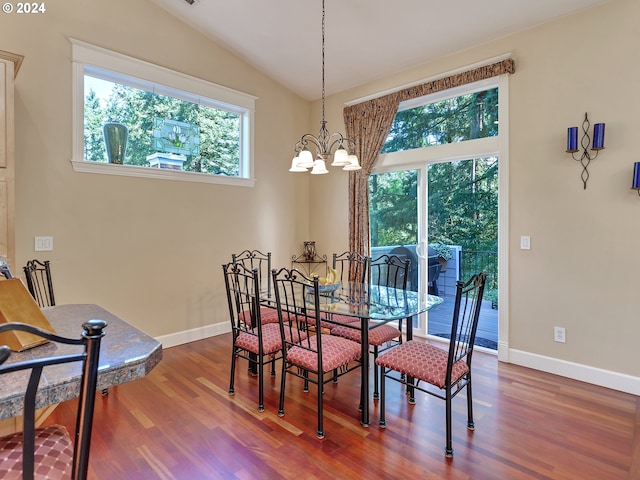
(365, 39)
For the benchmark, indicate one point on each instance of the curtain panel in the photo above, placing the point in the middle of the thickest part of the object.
(368, 123)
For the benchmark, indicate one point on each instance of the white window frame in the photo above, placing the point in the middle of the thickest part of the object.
(419, 158)
(87, 58)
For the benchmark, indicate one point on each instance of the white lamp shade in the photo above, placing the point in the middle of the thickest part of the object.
(295, 167)
(353, 164)
(319, 168)
(305, 159)
(340, 158)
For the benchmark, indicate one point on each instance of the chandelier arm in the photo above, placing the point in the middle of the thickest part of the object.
(308, 138)
(336, 139)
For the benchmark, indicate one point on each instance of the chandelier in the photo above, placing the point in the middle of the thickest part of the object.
(324, 143)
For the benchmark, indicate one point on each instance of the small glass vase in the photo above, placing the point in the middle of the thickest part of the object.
(115, 140)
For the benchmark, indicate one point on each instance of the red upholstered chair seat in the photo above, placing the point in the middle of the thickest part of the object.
(53, 454)
(267, 315)
(271, 340)
(343, 319)
(422, 361)
(323, 323)
(377, 336)
(336, 351)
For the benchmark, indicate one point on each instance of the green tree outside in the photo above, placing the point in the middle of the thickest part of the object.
(462, 195)
(219, 130)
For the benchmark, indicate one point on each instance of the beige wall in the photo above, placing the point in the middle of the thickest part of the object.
(148, 250)
(582, 269)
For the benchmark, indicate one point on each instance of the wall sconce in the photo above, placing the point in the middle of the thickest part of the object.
(636, 177)
(586, 157)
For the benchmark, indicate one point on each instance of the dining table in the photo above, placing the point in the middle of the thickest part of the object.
(373, 305)
(126, 354)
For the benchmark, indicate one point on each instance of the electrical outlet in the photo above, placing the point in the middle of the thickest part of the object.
(525, 242)
(559, 335)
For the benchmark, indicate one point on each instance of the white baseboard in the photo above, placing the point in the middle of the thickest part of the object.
(194, 334)
(576, 371)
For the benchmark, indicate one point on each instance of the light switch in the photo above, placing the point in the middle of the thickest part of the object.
(525, 242)
(43, 244)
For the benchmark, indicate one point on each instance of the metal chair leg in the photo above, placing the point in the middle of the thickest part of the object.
(448, 450)
(376, 379)
(383, 420)
(470, 424)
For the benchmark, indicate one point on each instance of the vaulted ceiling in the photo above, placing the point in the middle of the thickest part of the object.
(365, 39)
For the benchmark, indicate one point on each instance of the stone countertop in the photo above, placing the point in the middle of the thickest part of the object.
(126, 354)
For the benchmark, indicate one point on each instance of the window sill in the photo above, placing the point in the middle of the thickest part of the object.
(147, 172)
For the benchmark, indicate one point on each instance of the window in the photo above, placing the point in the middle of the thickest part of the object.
(393, 207)
(446, 120)
(174, 126)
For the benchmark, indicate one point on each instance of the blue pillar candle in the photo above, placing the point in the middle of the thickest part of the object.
(598, 136)
(636, 175)
(572, 139)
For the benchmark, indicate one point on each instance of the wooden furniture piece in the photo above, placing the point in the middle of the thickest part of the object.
(126, 354)
(18, 306)
(317, 357)
(49, 451)
(9, 66)
(447, 370)
(39, 282)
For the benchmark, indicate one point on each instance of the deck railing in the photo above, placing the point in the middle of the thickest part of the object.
(474, 261)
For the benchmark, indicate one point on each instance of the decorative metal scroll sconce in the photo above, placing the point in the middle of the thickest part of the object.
(636, 177)
(585, 141)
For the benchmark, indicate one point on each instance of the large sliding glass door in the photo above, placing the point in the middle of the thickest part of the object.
(394, 218)
(447, 225)
(434, 197)
(462, 222)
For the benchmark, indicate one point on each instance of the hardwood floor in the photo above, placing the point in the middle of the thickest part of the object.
(180, 423)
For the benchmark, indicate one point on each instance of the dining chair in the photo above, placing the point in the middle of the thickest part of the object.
(318, 357)
(445, 372)
(351, 266)
(49, 451)
(251, 259)
(256, 259)
(39, 283)
(40, 286)
(253, 340)
(387, 271)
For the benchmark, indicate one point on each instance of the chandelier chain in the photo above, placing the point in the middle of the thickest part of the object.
(323, 61)
(325, 143)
